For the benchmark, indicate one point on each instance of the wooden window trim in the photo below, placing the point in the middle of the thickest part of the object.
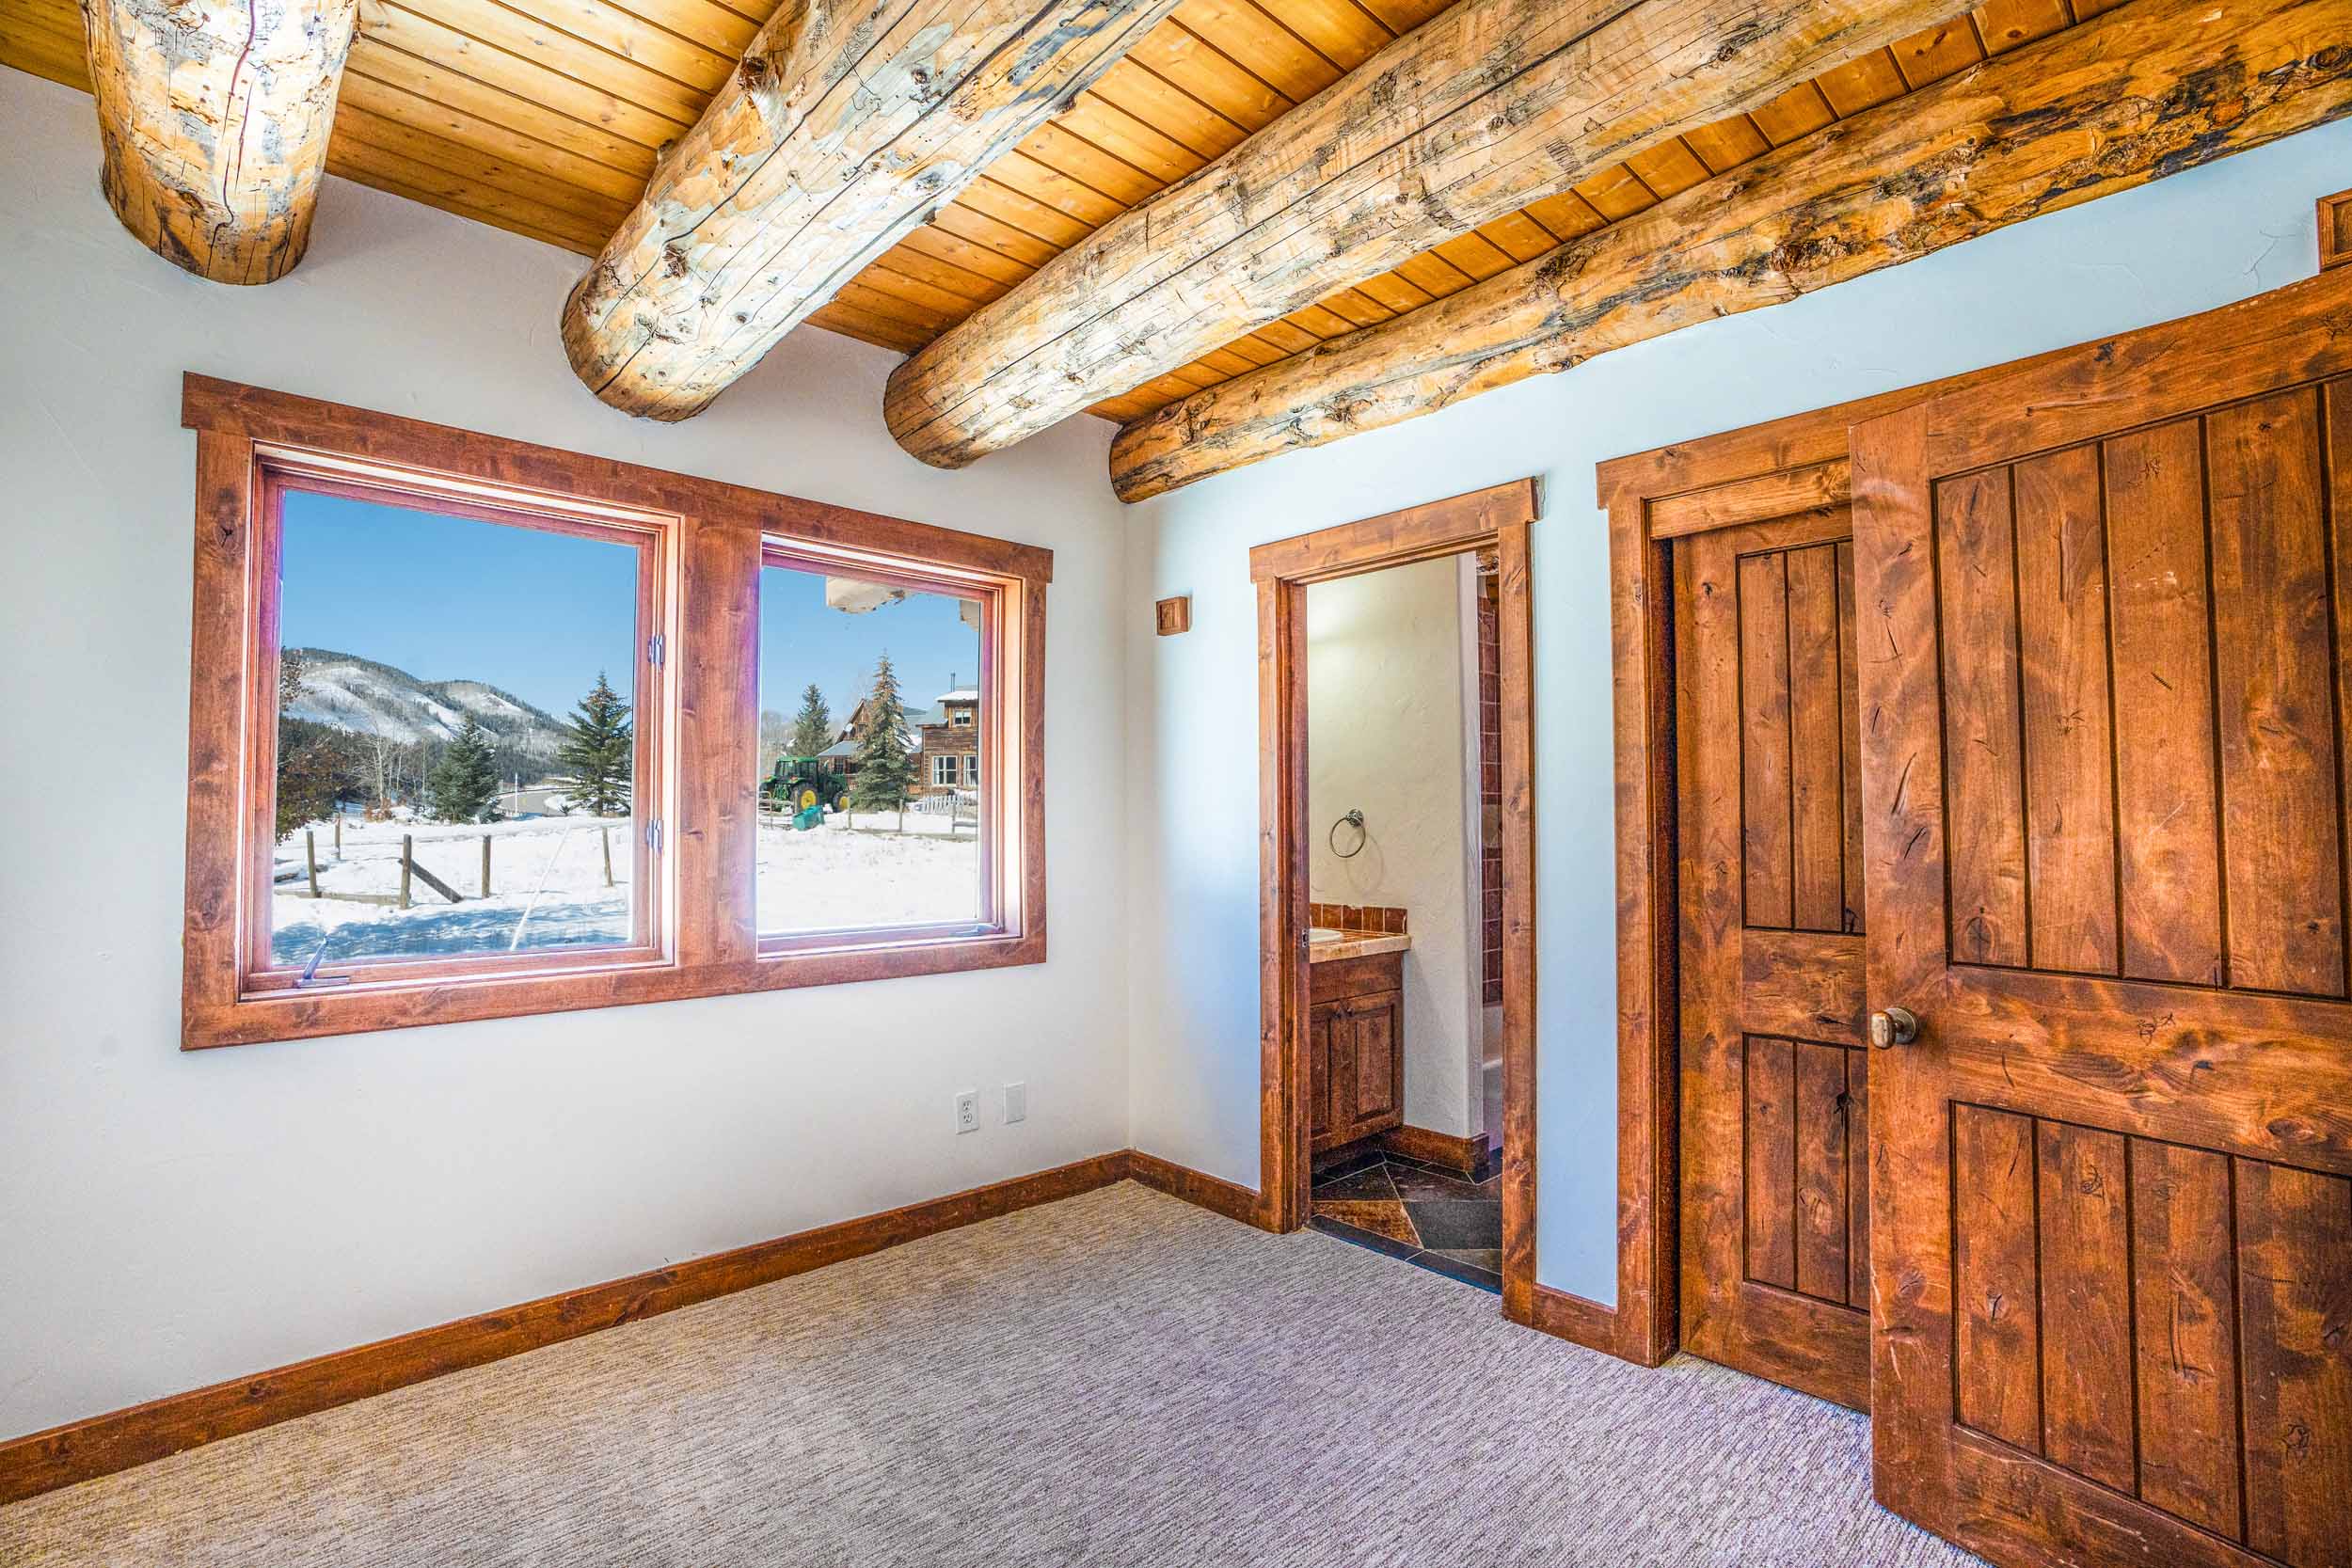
(717, 537)
(277, 470)
(1001, 731)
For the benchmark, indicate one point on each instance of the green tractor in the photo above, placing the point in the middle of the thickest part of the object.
(803, 786)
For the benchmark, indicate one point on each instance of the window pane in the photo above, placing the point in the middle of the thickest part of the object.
(456, 736)
(869, 739)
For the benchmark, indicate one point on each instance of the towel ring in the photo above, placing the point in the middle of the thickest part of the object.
(1353, 820)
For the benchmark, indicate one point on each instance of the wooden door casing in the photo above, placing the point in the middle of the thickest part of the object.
(1775, 1080)
(2105, 779)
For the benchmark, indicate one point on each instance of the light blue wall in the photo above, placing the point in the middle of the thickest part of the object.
(2181, 246)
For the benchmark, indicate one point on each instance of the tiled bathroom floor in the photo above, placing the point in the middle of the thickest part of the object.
(1429, 1217)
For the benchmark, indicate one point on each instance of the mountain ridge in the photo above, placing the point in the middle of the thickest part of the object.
(367, 696)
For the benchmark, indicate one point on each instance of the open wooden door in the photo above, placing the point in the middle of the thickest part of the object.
(1775, 1076)
(2104, 606)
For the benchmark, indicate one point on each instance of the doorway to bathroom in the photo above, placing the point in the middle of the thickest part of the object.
(1397, 920)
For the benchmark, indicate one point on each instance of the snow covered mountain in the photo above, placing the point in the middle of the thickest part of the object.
(355, 693)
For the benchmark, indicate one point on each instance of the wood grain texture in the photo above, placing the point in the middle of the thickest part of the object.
(2063, 665)
(2275, 696)
(1769, 1139)
(2294, 1282)
(1996, 1288)
(1285, 1082)
(2222, 1108)
(1817, 816)
(1463, 1156)
(2335, 229)
(2085, 1264)
(213, 125)
(1767, 831)
(2055, 123)
(118, 1440)
(2186, 1344)
(1983, 726)
(1808, 487)
(1491, 105)
(847, 122)
(2167, 810)
(1197, 1188)
(1431, 529)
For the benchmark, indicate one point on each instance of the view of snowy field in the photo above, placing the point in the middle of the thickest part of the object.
(858, 870)
(548, 889)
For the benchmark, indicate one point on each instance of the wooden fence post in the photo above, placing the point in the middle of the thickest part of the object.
(310, 855)
(407, 864)
(339, 835)
(606, 834)
(485, 865)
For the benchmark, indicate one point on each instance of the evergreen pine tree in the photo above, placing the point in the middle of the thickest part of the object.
(600, 751)
(811, 727)
(318, 765)
(465, 784)
(885, 768)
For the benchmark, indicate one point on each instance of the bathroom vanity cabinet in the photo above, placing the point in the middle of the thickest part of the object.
(1356, 1047)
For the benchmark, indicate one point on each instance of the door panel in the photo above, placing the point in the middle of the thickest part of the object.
(1774, 1088)
(2105, 807)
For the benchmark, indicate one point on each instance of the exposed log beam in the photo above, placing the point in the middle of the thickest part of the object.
(2149, 89)
(1482, 109)
(848, 123)
(212, 120)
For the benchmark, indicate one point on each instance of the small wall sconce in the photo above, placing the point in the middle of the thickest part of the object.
(1174, 615)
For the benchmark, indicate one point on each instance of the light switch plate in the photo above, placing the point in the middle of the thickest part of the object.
(1016, 1103)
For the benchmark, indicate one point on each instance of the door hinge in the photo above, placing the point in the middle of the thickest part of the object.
(656, 646)
(653, 835)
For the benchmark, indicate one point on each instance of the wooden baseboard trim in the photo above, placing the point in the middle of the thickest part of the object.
(121, 1439)
(1467, 1156)
(1212, 1192)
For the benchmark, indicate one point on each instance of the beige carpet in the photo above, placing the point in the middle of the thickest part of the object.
(1116, 1381)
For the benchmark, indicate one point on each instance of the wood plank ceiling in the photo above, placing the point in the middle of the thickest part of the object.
(545, 117)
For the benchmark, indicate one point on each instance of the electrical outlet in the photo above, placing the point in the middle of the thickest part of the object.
(968, 1110)
(1016, 1103)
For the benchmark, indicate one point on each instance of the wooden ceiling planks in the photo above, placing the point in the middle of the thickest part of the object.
(547, 117)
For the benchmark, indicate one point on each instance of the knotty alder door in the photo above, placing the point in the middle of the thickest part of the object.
(1776, 1083)
(2103, 685)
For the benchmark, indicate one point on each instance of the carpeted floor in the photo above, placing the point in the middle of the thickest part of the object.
(1116, 1381)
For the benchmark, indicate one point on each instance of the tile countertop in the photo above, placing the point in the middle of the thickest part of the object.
(1357, 944)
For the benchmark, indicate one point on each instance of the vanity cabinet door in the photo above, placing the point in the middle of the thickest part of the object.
(1319, 1072)
(1376, 1035)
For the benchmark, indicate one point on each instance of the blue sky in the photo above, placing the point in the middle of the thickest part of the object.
(802, 641)
(448, 598)
(538, 614)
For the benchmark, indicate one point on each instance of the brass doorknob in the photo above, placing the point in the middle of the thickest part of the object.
(1893, 1026)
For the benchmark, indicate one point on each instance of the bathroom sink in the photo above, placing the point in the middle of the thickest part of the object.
(1322, 933)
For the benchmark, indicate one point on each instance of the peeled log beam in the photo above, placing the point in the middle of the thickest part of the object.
(845, 126)
(1482, 109)
(2143, 91)
(212, 119)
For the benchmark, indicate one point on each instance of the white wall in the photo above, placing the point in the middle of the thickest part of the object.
(1383, 736)
(2182, 244)
(168, 1220)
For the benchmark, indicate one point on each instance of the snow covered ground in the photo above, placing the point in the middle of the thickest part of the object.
(859, 870)
(548, 889)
